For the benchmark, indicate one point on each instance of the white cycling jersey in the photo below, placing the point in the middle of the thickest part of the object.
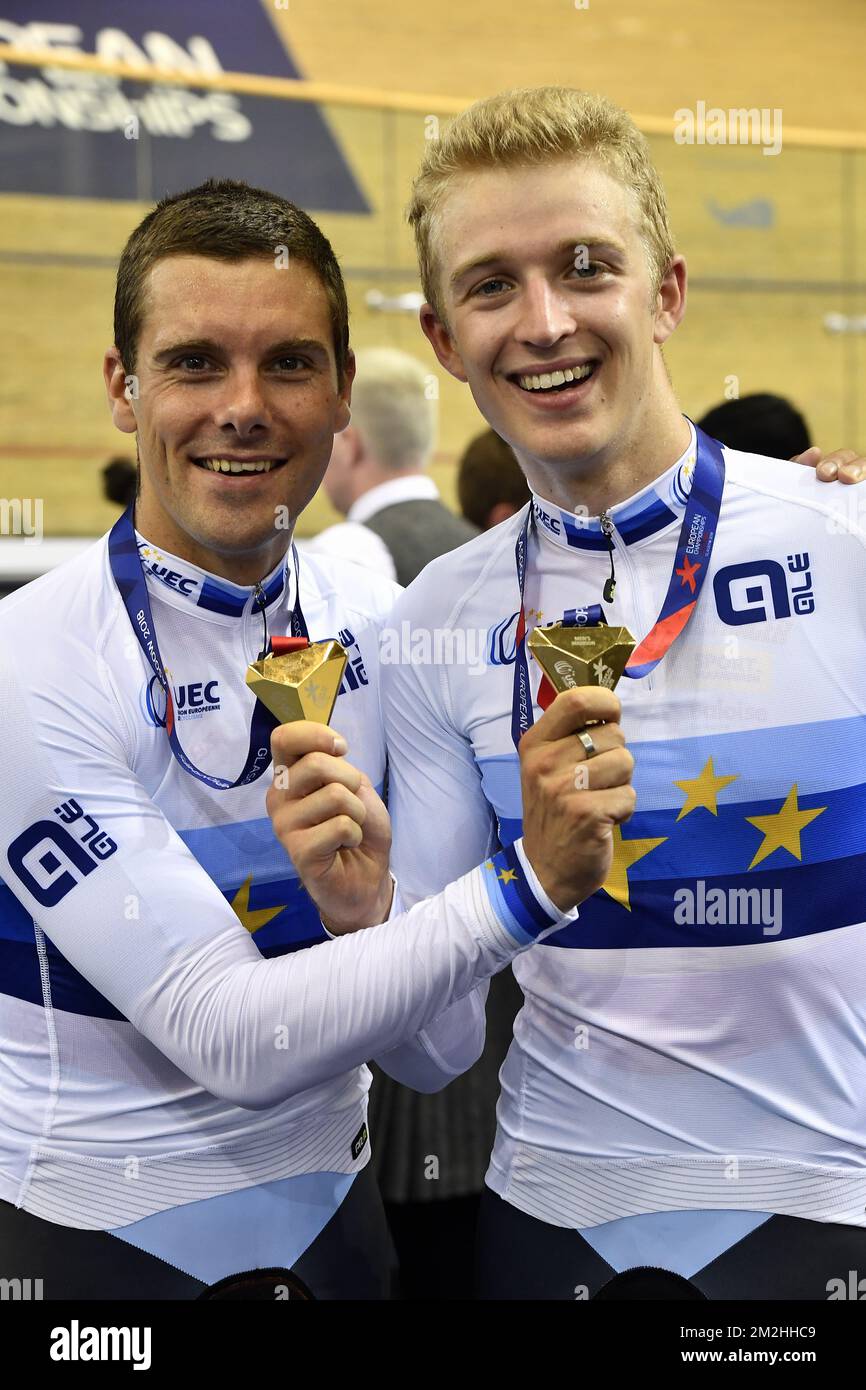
(174, 1023)
(697, 1040)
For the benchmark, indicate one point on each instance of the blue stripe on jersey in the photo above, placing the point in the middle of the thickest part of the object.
(297, 924)
(707, 865)
(512, 899)
(219, 600)
(801, 901)
(634, 523)
(294, 928)
(728, 842)
(229, 853)
(20, 975)
(819, 756)
(646, 522)
(590, 537)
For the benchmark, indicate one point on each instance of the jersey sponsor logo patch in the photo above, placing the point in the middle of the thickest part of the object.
(762, 590)
(191, 701)
(359, 1142)
(49, 859)
(355, 674)
(502, 642)
(152, 563)
(549, 522)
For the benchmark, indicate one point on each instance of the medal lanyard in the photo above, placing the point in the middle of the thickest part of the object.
(694, 547)
(128, 574)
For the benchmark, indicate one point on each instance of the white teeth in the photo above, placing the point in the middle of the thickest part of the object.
(558, 378)
(232, 466)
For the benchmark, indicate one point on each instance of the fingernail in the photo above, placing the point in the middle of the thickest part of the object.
(831, 470)
(340, 746)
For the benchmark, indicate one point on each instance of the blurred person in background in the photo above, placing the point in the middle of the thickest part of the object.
(119, 481)
(395, 519)
(490, 485)
(759, 424)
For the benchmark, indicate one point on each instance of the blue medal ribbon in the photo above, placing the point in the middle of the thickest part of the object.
(691, 563)
(128, 574)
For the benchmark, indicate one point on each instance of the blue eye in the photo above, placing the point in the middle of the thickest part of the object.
(486, 285)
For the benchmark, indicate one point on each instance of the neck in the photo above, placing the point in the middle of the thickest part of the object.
(246, 568)
(592, 484)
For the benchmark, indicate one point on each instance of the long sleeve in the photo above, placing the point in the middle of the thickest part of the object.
(108, 880)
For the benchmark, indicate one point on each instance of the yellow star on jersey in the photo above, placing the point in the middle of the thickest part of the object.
(702, 790)
(782, 830)
(251, 918)
(625, 853)
(506, 875)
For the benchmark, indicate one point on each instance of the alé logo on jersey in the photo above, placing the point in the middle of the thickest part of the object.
(50, 858)
(761, 590)
(191, 701)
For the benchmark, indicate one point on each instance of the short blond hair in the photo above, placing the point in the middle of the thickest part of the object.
(394, 408)
(532, 126)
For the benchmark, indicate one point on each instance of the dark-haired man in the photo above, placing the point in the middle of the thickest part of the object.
(182, 1088)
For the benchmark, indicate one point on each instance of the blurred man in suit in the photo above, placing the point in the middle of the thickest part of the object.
(377, 475)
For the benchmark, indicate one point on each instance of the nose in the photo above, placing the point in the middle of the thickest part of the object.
(547, 315)
(242, 406)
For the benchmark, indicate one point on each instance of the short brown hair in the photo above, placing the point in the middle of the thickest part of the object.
(531, 126)
(488, 473)
(229, 221)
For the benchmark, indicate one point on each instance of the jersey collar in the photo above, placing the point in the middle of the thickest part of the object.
(182, 584)
(649, 511)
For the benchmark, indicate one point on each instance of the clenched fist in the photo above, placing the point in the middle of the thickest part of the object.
(329, 819)
(571, 802)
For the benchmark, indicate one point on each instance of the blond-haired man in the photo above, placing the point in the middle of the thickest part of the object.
(685, 1088)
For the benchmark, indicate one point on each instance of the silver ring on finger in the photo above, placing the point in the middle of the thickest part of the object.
(586, 739)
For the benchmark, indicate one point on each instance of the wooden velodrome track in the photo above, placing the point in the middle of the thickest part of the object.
(773, 243)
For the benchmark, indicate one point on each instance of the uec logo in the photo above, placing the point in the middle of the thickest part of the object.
(198, 695)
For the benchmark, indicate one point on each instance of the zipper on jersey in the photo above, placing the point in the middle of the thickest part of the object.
(260, 598)
(610, 533)
(610, 584)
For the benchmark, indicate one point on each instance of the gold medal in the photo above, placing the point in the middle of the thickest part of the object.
(300, 684)
(572, 656)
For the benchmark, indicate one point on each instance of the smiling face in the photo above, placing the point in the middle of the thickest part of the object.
(551, 317)
(237, 406)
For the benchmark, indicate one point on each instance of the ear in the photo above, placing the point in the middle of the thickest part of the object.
(343, 413)
(121, 390)
(353, 447)
(439, 336)
(671, 300)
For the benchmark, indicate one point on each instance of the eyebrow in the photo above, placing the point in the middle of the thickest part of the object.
(593, 242)
(210, 347)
